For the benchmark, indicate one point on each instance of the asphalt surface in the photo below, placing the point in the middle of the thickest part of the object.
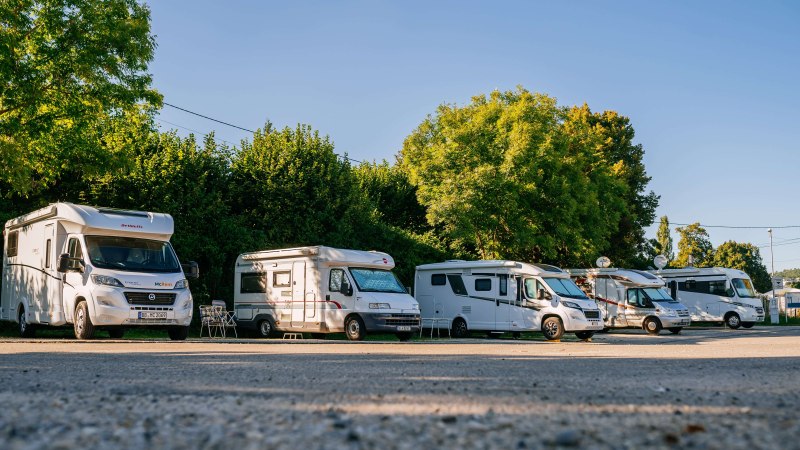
(707, 388)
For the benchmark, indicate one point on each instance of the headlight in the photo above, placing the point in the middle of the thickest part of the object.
(569, 304)
(670, 312)
(182, 284)
(106, 280)
(379, 306)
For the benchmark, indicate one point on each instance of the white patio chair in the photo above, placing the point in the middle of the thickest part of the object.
(227, 318)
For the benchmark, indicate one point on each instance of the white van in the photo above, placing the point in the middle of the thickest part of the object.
(322, 290)
(93, 268)
(715, 294)
(630, 298)
(501, 296)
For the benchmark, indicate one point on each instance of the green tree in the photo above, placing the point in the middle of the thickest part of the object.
(664, 240)
(694, 241)
(503, 177)
(392, 195)
(747, 258)
(74, 89)
(613, 142)
(291, 187)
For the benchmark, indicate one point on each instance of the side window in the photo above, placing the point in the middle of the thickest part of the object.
(13, 244)
(281, 279)
(483, 284)
(253, 283)
(633, 297)
(503, 284)
(438, 279)
(457, 284)
(718, 288)
(335, 282)
(75, 252)
(611, 291)
(47, 252)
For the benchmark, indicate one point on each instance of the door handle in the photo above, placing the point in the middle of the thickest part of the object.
(327, 297)
(497, 302)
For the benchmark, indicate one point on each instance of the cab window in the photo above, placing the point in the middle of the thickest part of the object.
(74, 251)
(335, 282)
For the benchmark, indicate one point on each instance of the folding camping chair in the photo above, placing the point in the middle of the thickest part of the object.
(227, 318)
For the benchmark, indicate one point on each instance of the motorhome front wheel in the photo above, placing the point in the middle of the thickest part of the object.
(732, 321)
(83, 324)
(25, 329)
(552, 328)
(354, 329)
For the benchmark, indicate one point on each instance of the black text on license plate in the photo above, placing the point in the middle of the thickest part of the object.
(152, 315)
(403, 328)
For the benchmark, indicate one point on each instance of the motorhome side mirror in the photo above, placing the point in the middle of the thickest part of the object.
(540, 294)
(346, 289)
(191, 269)
(63, 263)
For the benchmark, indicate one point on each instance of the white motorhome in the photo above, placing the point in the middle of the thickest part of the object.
(322, 290)
(93, 268)
(630, 298)
(715, 294)
(504, 296)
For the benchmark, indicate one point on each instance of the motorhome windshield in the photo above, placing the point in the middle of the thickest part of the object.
(744, 287)
(658, 295)
(376, 280)
(565, 287)
(131, 254)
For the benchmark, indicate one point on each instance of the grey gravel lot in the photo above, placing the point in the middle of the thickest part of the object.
(707, 388)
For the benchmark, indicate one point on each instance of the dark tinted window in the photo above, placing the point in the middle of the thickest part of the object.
(281, 279)
(483, 284)
(13, 243)
(714, 287)
(438, 279)
(253, 283)
(47, 254)
(503, 284)
(457, 284)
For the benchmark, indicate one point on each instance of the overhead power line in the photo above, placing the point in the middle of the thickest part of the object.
(236, 126)
(738, 227)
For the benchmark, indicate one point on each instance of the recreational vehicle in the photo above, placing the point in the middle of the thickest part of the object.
(504, 296)
(322, 290)
(632, 299)
(93, 268)
(715, 294)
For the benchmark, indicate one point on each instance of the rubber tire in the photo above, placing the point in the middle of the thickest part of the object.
(459, 328)
(675, 330)
(354, 328)
(552, 328)
(733, 321)
(25, 329)
(652, 326)
(404, 336)
(116, 333)
(83, 327)
(319, 335)
(748, 324)
(584, 335)
(178, 333)
(265, 328)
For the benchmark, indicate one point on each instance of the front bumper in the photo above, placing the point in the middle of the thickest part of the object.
(577, 320)
(674, 321)
(112, 308)
(391, 322)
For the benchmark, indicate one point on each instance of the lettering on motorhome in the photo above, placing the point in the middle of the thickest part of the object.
(125, 225)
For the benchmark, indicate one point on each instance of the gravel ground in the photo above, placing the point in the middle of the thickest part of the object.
(708, 388)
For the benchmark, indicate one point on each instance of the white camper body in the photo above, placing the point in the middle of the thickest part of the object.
(93, 267)
(322, 290)
(715, 294)
(504, 296)
(632, 299)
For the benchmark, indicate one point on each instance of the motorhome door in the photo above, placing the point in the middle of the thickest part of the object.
(51, 286)
(298, 294)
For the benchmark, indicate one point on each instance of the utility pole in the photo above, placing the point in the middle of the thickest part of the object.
(772, 278)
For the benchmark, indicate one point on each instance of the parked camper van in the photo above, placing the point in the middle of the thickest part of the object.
(322, 290)
(715, 294)
(500, 296)
(632, 299)
(93, 268)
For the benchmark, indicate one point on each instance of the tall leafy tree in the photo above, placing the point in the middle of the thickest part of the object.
(664, 239)
(745, 257)
(392, 195)
(74, 87)
(503, 177)
(694, 241)
(614, 144)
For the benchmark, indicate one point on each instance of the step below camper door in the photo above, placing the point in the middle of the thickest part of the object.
(299, 294)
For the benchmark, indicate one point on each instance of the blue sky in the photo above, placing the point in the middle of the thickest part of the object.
(710, 88)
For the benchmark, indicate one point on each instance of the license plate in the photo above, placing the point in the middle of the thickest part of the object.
(152, 315)
(403, 328)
